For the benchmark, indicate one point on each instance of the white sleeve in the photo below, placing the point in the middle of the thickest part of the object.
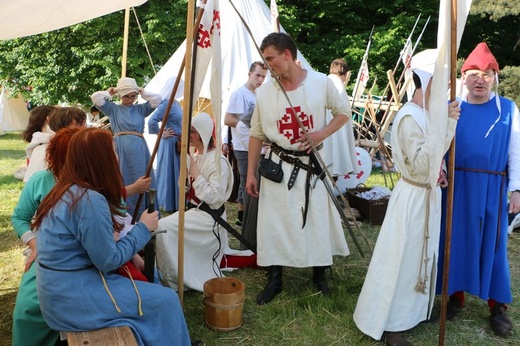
(99, 97)
(514, 153)
(152, 98)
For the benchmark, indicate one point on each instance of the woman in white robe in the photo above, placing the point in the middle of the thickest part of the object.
(204, 239)
(399, 286)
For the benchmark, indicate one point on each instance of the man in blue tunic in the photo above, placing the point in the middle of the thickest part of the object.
(487, 166)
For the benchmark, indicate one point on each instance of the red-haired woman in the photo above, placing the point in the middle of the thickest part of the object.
(27, 314)
(78, 287)
(29, 327)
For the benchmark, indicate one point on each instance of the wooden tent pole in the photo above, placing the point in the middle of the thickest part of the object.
(125, 42)
(451, 176)
(184, 144)
(164, 120)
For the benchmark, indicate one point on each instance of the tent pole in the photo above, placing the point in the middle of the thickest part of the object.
(125, 42)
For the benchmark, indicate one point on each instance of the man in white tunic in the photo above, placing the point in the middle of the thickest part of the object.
(298, 225)
(399, 286)
(340, 148)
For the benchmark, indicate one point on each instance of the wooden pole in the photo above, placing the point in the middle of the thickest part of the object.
(184, 143)
(165, 119)
(125, 42)
(451, 176)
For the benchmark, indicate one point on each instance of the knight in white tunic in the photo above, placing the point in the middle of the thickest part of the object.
(298, 225)
(399, 286)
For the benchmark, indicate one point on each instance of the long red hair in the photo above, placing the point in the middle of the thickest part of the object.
(56, 153)
(91, 163)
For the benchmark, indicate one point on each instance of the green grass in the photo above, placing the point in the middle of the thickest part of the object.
(298, 316)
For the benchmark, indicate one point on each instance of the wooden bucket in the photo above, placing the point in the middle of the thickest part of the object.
(223, 301)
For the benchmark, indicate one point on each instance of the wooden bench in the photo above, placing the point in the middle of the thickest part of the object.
(114, 336)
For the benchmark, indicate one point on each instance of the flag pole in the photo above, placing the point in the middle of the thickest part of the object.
(363, 61)
(451, 176)
(125, 42)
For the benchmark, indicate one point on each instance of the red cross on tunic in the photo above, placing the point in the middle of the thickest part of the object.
(288, 125)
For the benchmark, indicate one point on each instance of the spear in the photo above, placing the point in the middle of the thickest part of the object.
(451, 177)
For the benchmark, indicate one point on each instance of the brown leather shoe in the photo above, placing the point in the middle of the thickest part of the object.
(500, 323)
(395, 339)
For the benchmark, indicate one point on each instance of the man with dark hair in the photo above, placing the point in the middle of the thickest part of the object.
(298, 223)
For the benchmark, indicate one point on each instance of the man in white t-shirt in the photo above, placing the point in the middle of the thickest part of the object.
(242, 102)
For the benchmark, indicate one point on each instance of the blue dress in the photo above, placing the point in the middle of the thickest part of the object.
(168, 159)
(478, 260)
(132, 149)
(77, 262)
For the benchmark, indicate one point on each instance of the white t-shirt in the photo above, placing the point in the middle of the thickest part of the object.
(241, 102)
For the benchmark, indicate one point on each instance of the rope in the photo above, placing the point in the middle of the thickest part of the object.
(139, 303)
(144, 41)
(108, 291)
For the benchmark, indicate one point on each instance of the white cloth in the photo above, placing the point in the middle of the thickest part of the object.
(241, 101)
(203, 239)
(281, 238)
(388, 299)
(340, 148)
(36, 153)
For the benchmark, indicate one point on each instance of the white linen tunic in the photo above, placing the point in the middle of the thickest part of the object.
(281, 238)
(388, 299)
(340, 148)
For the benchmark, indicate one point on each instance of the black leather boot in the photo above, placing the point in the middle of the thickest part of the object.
(318, 278)
(500, 322)
(273, 286)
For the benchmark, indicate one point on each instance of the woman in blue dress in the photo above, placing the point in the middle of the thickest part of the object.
(168, 157)
(78, 285)
(127, 123)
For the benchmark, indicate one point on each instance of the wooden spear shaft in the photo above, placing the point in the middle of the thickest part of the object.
(451, 177)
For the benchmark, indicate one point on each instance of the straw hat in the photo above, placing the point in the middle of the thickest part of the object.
(126, 86)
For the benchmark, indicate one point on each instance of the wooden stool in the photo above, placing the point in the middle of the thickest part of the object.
(114, 336)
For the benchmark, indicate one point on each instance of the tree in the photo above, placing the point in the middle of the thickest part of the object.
(67, 65)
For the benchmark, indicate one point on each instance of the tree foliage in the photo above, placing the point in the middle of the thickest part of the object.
(67, 65)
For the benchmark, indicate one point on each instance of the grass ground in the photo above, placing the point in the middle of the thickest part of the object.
(298, 316)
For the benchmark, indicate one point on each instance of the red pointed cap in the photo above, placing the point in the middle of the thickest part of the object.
(480, 59)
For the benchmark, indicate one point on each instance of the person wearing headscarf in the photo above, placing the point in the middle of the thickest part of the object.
(205, 241)
(399, 286)
(487, 167)
(127, 123)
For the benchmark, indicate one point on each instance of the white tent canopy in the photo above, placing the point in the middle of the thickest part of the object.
(21, 18)
(238, 50)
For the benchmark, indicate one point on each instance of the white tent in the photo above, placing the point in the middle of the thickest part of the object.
(238, 50)
(14, 115)
(21, 18)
